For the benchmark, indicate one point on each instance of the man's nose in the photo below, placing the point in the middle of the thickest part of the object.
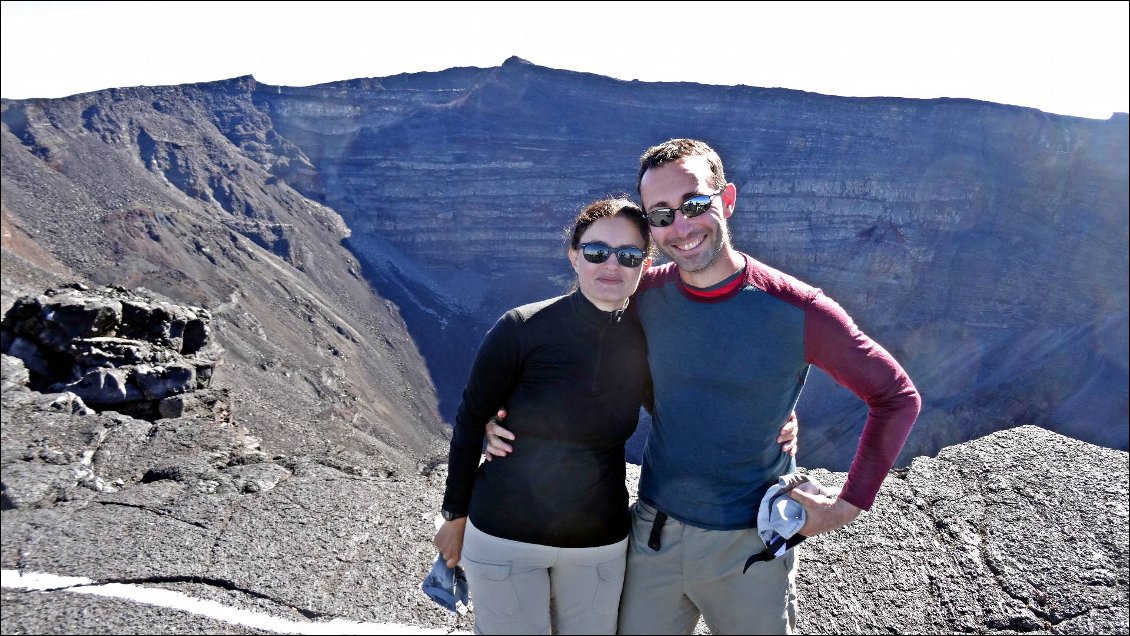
(681, 223)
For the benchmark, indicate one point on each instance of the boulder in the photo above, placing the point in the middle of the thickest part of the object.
(111, 347)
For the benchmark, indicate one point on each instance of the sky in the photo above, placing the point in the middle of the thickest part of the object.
(1069, 58)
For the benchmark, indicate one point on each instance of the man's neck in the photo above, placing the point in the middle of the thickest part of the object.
(728, 261)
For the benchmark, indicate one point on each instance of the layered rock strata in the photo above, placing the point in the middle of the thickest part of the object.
(985, 245)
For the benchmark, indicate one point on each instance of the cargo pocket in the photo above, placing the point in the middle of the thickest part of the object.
(492, 589)
(609, 584)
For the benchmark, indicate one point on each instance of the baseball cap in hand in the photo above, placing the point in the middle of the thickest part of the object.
(780, 518)
(447, 586)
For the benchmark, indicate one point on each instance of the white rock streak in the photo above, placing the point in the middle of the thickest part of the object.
(211, 609)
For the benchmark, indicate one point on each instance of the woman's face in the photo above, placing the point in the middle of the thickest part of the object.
(607, 285)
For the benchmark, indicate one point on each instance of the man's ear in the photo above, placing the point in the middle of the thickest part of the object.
(729, 199)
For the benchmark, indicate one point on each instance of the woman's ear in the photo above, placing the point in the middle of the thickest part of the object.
(573, 258)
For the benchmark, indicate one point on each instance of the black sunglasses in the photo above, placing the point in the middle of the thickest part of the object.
(599, 252)
(692, 207)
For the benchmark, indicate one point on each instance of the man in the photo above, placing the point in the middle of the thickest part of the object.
(730, 341)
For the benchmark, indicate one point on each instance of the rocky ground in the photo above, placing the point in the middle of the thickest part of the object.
(1022, 531)
(199, 508)
(124, 463)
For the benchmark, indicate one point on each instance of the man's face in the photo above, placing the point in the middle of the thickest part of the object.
(693, 244)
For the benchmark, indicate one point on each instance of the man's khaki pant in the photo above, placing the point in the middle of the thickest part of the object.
(699, 572)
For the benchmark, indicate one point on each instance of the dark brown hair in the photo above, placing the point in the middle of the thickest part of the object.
(606, 209)
(676, 149)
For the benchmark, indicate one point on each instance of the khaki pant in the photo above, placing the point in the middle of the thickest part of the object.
(699, 572)
(525, 588)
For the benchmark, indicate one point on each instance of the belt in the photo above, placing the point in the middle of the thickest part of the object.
(656, 529)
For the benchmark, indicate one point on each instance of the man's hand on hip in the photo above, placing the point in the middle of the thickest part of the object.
(497, 436)
(787, 437)
(824, 510)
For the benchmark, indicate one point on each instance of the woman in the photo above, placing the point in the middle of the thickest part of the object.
(544, 547)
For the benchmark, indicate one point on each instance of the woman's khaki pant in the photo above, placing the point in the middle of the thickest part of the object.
(525, 588)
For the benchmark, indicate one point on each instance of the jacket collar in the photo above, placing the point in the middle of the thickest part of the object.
(724, 290)
(590, 314)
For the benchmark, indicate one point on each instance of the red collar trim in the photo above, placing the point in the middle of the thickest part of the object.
(717, 295)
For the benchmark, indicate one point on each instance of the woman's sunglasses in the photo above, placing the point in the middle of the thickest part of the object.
(692, 207)
(599, 252)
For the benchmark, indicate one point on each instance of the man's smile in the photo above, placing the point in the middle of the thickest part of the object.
(689, 245)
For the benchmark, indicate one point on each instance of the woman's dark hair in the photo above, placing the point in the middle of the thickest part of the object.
(606, 209)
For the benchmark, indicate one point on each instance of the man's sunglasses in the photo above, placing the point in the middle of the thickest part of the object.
(692, 207)
(599, 252)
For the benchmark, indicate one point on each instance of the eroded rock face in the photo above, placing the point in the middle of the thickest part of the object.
(985, 245)
(114, 348)
(177, 192)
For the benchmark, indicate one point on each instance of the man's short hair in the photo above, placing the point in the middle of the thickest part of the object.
(676, 149)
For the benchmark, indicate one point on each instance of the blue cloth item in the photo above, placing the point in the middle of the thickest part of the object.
(447, 586)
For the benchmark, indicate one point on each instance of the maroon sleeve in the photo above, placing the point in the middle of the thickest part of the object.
(833, 343)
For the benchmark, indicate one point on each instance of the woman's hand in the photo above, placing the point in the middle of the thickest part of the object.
(449, 540)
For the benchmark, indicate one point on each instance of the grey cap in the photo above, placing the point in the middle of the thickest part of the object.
(779, 515)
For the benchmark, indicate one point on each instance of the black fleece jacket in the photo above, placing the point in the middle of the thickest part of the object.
(572, 378)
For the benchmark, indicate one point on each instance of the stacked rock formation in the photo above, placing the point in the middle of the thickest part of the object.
(115, 350)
